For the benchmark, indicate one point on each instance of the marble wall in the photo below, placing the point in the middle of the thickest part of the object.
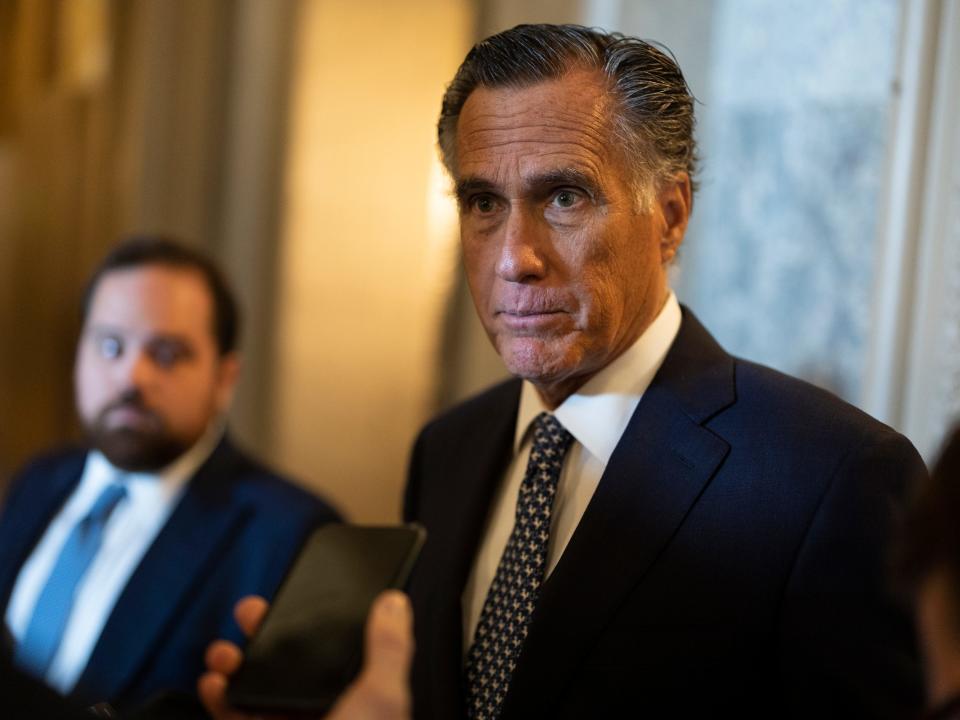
(780, 260)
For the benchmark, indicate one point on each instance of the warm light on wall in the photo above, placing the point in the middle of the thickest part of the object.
(442, 230)
(84, 43)
(368, 244)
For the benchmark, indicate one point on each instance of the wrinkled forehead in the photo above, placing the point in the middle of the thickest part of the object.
(564, 121)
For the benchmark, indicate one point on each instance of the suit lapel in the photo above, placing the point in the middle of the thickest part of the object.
(660, 467)
(28, 513)
(202, 523)
(480, 463)
(481, 470)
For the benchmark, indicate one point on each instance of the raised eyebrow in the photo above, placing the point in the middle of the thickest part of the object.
(564, 176)
(471, 185)
(161, 338)
(552, 178)
(104, 329)
(98, 332)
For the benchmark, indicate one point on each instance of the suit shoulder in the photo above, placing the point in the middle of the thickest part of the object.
(48, 472)
(794, 407)
(481, 421)
(53, 460)
(476, 412)
(56, 461)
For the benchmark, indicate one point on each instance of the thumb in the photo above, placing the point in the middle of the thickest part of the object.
(382, 690)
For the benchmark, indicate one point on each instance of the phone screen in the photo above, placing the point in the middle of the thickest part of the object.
(309, 646)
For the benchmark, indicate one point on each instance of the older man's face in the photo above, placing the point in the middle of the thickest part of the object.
(565, 266)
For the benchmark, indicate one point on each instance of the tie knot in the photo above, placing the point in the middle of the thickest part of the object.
(549, 434)
(106, 502)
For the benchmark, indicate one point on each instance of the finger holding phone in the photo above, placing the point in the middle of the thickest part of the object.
(381, 690)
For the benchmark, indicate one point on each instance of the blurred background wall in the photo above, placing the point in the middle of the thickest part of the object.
(293, 140)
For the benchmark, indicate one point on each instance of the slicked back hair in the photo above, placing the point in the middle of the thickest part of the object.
(653, 119)
(146, 250)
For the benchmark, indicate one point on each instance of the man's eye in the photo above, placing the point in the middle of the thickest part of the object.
(166, 355)
(483, 204)
(566, 198)
(109, 347)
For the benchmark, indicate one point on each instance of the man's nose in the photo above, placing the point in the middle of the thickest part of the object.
(140, 369)
(522, 249)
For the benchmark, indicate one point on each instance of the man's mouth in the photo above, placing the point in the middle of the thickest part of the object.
(129, 415)
(531, 320)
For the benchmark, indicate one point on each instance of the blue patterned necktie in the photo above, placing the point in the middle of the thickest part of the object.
(513, 594)
(52, 610)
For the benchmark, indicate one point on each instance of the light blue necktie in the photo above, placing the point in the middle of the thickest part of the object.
(53, 607)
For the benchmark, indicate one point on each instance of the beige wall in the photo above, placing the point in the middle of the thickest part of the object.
(369, 245)
(293, 139)
(56, 122)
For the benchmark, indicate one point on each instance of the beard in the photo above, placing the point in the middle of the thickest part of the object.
(148, 447)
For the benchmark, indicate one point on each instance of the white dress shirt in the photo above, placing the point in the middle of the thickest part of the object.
(131, 529)
(596, 415)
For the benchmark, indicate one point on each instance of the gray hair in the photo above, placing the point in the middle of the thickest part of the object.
(654, 118)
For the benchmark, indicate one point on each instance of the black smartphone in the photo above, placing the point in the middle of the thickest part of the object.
(310, 644)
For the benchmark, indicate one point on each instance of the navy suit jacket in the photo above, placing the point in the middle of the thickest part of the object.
(730, 561)
(234, 532)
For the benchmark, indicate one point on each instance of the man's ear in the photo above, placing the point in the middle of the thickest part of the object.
(227, 379)
(674, 200)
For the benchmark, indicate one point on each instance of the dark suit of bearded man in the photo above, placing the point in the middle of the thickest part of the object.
(233, 532)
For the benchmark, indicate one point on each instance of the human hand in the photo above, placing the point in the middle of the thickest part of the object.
(380, 692)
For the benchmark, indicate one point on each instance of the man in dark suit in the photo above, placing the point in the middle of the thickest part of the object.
(640, 525)
(121, 562)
